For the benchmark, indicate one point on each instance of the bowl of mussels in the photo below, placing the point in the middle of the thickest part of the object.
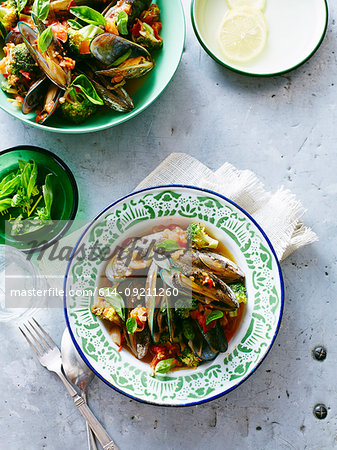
(183, 299)
(88, 65)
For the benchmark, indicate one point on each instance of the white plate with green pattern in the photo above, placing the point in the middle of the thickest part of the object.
(136, 214)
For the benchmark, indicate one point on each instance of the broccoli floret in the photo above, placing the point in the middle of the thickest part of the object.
(79, 40)
(239, 290)
(77, 108)
(22, 60)
(188, 358)
(9, 14)
(147, 35)
(183, 307)
(198, 238)
(103, 310)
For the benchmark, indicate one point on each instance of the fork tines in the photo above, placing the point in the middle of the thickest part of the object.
(37, 337)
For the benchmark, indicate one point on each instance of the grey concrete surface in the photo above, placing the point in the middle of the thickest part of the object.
(282, 128)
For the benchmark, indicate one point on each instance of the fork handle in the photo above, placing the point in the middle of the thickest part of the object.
(103, 437)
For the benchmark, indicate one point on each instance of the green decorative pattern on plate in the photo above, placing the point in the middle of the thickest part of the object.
(136, 215)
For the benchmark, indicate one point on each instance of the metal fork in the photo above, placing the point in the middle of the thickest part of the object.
(50, 357)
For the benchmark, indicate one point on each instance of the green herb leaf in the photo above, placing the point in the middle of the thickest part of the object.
(9, 185)
(32, 179)
(122, 22)
(131, 325)
(188, 330)
(166, 365)
(87, 89)
(20, 4)
(47, 191)
(116, 301)
(41, 9)
(45, 39)
(73, 24)
(5, 203)
(169, 245)
(88, 15)
(3, 31)
(214, 315)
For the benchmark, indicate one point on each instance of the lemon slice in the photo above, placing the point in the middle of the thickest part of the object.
(255, 4)
(242, 34)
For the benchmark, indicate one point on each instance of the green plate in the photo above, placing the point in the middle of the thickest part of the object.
(136, 214)
(65, 200)
(167, 61)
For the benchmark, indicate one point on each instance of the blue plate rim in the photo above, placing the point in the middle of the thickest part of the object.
(168, 186)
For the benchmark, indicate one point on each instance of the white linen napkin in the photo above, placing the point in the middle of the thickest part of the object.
(278, 213)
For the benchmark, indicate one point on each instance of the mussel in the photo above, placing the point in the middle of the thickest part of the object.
(124, 58)
(139, 342)
(208, 345)
(115, 98)
(205, 286)
(133, 8)
(42, 95)
(223, 267)
(49, 61)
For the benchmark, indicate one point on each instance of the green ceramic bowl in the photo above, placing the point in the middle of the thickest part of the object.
(65, 200)
(167, 61)
(135, 215)
(295, 32)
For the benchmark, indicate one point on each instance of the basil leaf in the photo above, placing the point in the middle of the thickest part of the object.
(9, 185)
(5, 203)
(116, 301)
(165, 366)
(88, 15)
(32, 179)
(131, 325)
(87, 89)
(122, 22)
(41, 9)
(45, 39)
(90, 31)
(74, 24)
(169, 245)
(214, 316)
(25, 174)
(20, 4)
(47, 191)
(3, 31)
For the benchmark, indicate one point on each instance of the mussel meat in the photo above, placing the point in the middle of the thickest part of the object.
(42, 95)
(205, 286)
(124, 58)
(223, 267)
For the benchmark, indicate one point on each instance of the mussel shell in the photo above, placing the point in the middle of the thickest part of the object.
(137, 7)
(139, 342)
(117, 99)
(108, 47)
(35, 95)
(221, 266)
(129, 71)
(215, 337)
(49, 66)
(53, 94)
(220, 292)
(14, 37)
(200, 347)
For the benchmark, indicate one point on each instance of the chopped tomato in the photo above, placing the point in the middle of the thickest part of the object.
(84, 48)
(25, 74)
(72, 3)
(59, 31)
(117, 79)
(136, 28)
(156, 26)
(49, 106)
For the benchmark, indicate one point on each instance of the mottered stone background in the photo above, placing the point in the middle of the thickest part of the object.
(282, 128)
